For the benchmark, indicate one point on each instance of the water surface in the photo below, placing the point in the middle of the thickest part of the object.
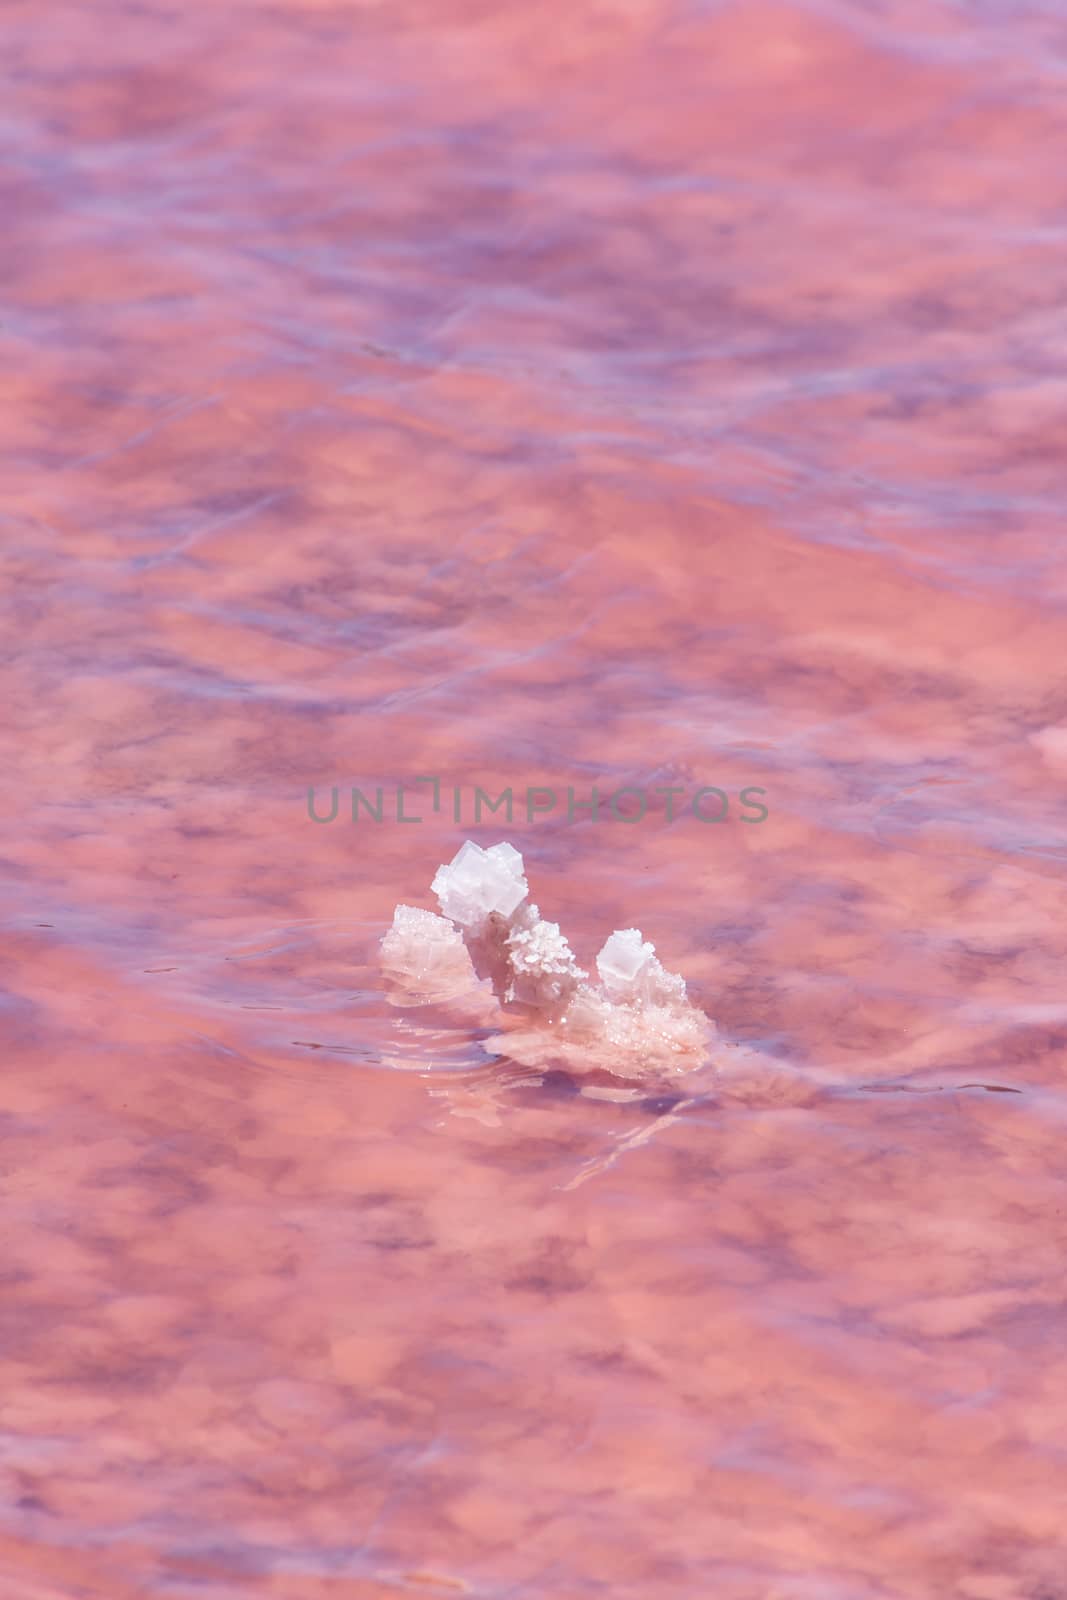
(642, 392)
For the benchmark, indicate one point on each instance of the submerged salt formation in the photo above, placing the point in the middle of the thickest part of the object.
(426, 954)
(633, 1014)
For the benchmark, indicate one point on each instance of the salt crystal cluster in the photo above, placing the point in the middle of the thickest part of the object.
(629, 971)
(425, 955)
(478, 884)
(484, 892)
(635, 1012)
(544, 972)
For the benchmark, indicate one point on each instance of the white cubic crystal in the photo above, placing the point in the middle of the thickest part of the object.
(621, 962)
(477, 882)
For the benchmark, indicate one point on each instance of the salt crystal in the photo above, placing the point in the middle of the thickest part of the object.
(423, 930)
(545, 973)
(424, 955)
(637, 1016)
(621, 961)
(478, 882)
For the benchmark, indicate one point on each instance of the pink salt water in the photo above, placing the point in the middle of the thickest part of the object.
(647, 394)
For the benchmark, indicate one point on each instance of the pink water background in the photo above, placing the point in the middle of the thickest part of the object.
(632, 392)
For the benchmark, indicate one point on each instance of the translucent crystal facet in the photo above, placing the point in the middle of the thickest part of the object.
(621, 962)
(477, 882)
(425, 955)
(432, 934)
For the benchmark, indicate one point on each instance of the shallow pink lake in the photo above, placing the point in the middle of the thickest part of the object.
(646, 394)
